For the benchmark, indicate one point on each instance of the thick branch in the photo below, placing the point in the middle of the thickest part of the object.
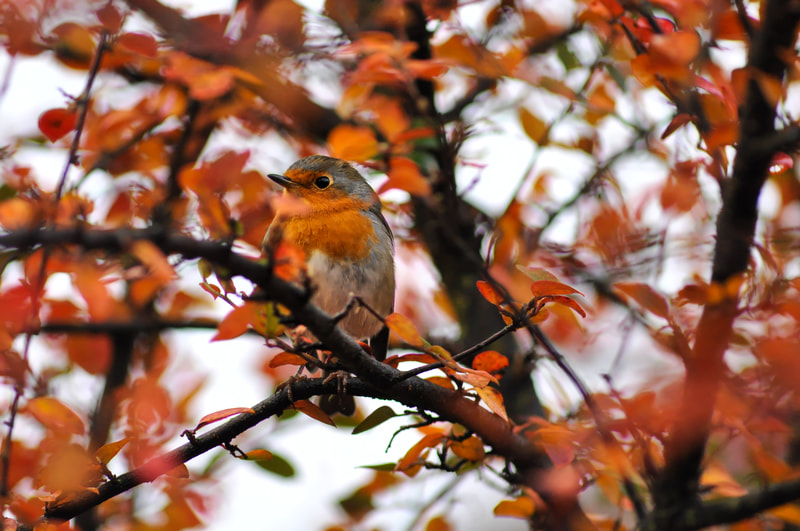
(685, 447)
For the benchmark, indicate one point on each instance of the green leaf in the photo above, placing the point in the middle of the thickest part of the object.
(567, 56)
(277, 465)
(377, 417)
(384, 467)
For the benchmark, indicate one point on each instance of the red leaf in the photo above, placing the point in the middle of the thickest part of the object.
(222, 414)
(394, 361)
(110, 17)
(544, 288)
(140, 43)
(675, 124)
(56, 123)
(313, 411)
(780, 163)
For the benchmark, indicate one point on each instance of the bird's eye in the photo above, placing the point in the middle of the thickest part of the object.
(322, 182)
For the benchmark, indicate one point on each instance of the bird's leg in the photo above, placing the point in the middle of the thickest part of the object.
(341, 402)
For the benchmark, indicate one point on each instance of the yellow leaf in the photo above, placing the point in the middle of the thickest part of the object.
(523, 507)
(403, 327)
(789, 513)
(493, 400)
(107, 452)
(54, 415)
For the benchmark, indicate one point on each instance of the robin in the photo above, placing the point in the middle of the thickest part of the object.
(336, 220)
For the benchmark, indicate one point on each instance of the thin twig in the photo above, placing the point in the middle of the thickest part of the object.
(463, 354)
(83, 103)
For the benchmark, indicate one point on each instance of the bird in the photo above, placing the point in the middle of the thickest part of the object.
(334, 216)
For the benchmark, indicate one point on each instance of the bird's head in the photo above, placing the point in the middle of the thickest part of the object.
(327, 183)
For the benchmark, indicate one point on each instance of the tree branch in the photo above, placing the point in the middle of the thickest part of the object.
(684, 449)
(225, 433)
(448, 404)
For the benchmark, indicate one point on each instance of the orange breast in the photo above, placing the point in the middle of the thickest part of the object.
(345, 234)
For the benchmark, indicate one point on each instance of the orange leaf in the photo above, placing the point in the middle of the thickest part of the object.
(237, 322)
(441, 381)
(789, 513)
(91, 287)
(523, 507)
(18, 213)
(489, 361)
(179, 472)
(56, 123)
(438, 523)
(544, 288)
(352, 142)
(412, 455)
(490, 293)
(107, 452)
(54, 415)
(259, 454)
(570, 303)
(154, 259)
(404, 174)
(286, 358)
(679, 47)
(91, 352)
(222, 414)
(289, 261)
(403, 327)
(645, 296)
(493, 400)
(470, 449)
(425, 69)
(477, 379)
(533, 126)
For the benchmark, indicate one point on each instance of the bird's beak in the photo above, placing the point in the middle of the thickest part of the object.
(281, 180)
